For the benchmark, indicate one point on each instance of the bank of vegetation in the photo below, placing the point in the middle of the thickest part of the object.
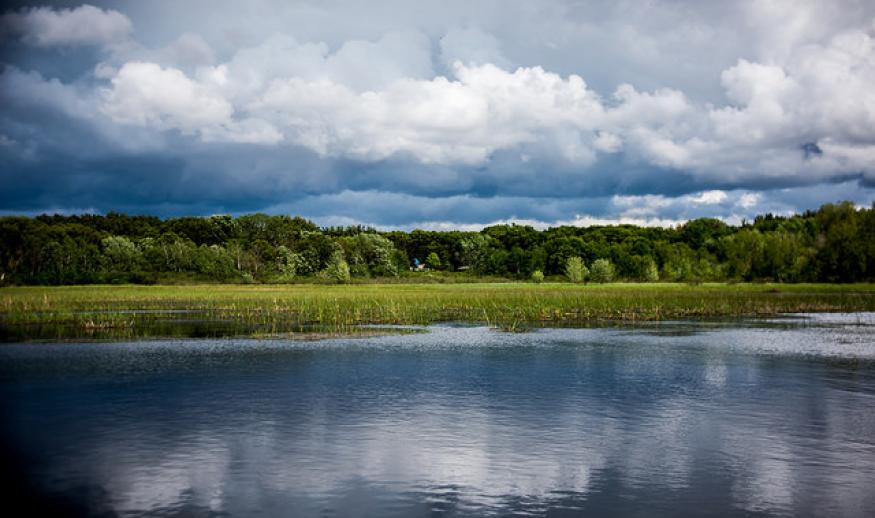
(340, 309)
(835, 243)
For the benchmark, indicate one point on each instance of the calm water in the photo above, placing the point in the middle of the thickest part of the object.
(675, 419)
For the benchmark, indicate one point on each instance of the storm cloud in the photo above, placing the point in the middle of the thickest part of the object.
(449, 115)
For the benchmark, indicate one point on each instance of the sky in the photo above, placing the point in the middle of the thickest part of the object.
(442, 115)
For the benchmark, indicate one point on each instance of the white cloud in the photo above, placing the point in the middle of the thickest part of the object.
(781, 26)
(360, 65)
(243, 131)
(729, 206)
(438, 120)
(748, 200)
(497, 99)
(190, 50)
(372, 100)
(366, 65)
(709, 198)
(471, 46)
(83, 25)
(607, 142)
(146, 94)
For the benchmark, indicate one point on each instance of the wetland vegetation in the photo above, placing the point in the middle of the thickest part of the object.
(284, 310)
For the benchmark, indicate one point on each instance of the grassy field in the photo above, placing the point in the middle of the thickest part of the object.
(342, 308)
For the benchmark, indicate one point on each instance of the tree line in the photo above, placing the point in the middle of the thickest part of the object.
(835, 243)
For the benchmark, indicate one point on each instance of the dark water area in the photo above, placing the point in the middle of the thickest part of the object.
(678, 419)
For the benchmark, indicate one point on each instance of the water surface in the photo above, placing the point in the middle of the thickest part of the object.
(676, 419)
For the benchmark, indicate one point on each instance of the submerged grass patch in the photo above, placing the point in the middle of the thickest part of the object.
(276, 309)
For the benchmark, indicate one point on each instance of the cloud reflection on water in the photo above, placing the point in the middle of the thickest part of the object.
(738, 420)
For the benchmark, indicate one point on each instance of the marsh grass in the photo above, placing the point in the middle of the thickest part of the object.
(343, 309)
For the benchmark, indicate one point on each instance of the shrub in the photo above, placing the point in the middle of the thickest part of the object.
(575, 270)
(602, 271)
(537, 276)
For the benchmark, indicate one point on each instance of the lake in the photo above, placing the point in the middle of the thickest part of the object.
(750, 417)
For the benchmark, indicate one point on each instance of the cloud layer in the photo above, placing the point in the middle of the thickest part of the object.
(83, 25)
(583, 115)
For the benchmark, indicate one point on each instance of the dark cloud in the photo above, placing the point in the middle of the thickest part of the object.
(398, 115)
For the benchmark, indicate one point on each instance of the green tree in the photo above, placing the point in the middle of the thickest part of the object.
(835, 243)
(370, 254)
(337, 269)
(678, 261)
(433, 262)
(559, 249)
(602, 271)
(651, 272)
(169, 253)
(315, 249)
(261, 254)
(214, 262)
(287, 264)
(744, 253)
(120, 254)
(703, 232)
(475, 252)
(841, 255)
(537, 276)
(575, 270)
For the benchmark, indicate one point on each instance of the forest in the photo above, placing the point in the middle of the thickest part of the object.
(835, 243)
